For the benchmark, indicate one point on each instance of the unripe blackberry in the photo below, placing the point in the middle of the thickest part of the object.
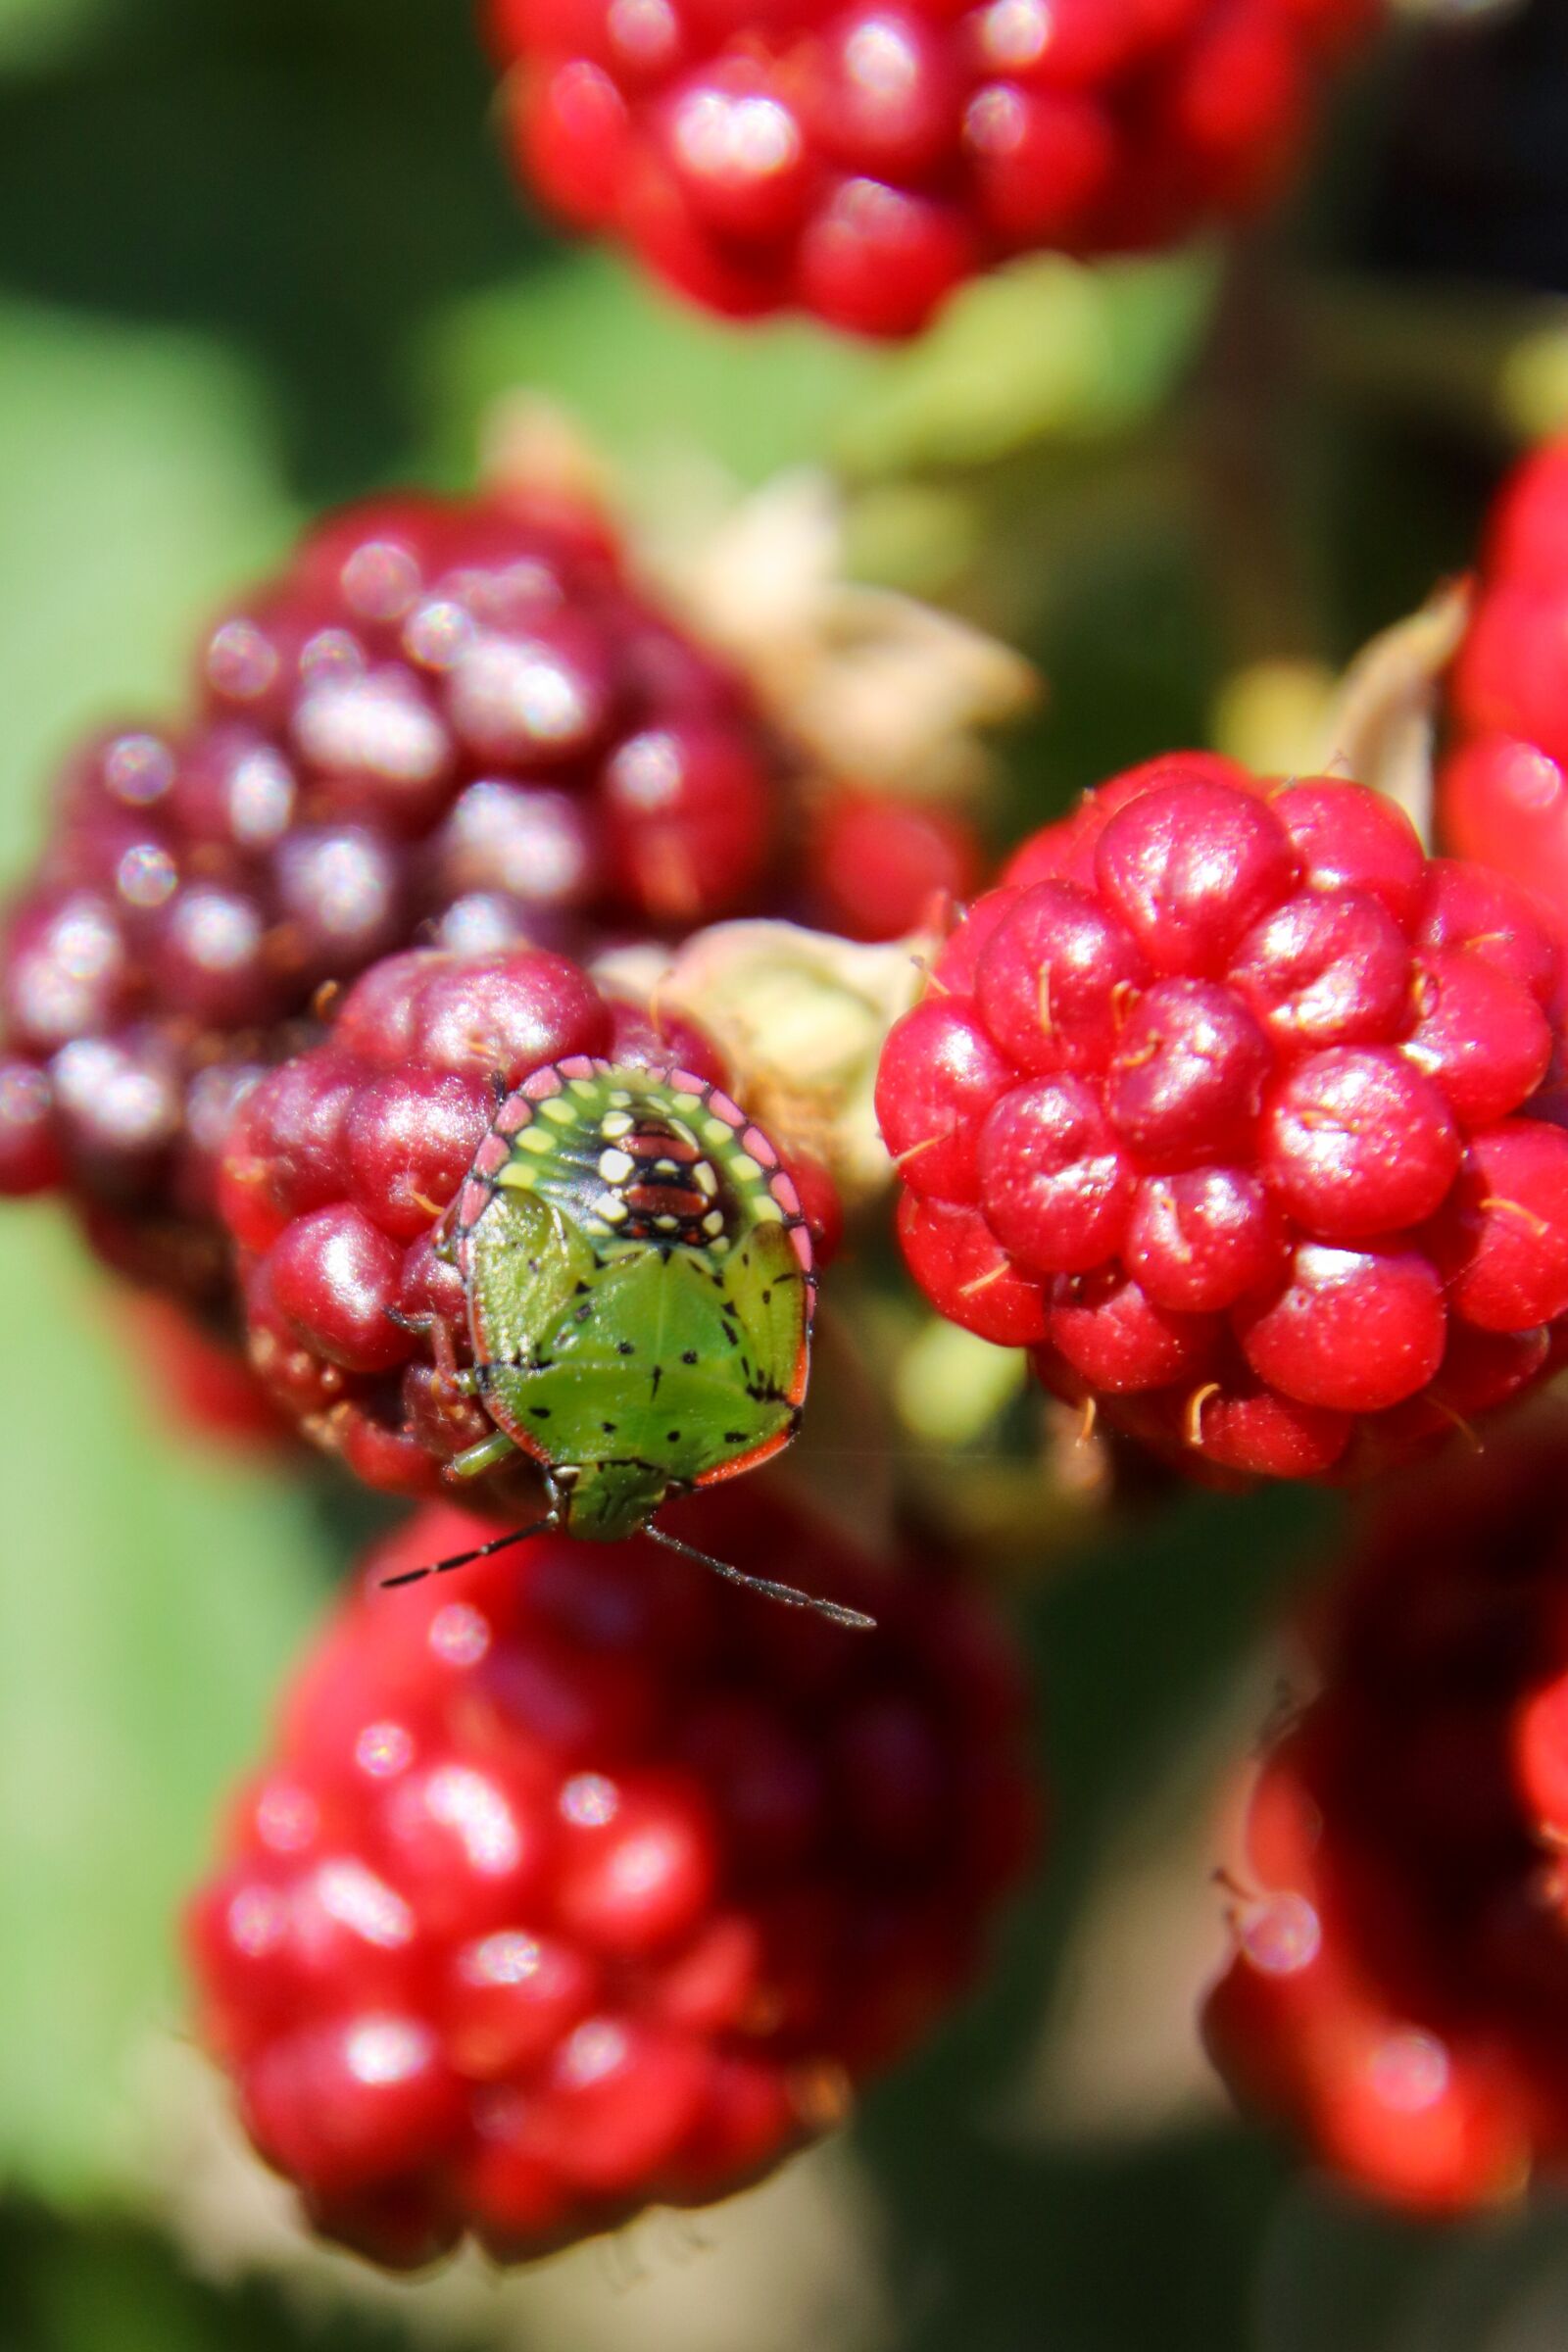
(1246, 1116)
(861, 163)
(1397, 1991)
(572, 1883)
(448, 723)
(1503, 788)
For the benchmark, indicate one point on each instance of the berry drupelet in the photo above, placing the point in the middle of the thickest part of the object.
(453, 724)
(1502, 789)
(1238, 1112)
(860, 162)
(1398, 1985)
(574, 1884)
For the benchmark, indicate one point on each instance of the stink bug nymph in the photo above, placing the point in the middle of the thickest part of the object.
(640, 1292)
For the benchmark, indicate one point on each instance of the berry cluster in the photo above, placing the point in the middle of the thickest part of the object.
(1233, 1108)
(448, 723)
(1399, 1979)
(339, 1168)
(1502, 791)
(860, 160)
(578, 1880)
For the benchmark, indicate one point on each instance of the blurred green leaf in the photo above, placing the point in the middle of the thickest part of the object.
(32, 32)
(109, 2286)
(1338, 2276)
(1046, 349)
(147, 490)
(151, 1597)
(306, 178)
(648, 376)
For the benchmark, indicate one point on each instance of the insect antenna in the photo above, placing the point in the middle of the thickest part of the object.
(465, 1559)
(787, 1594)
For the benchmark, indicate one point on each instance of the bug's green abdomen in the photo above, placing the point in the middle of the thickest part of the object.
(640, 1287)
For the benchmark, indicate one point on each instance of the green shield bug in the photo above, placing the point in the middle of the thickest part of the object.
(640, 1292)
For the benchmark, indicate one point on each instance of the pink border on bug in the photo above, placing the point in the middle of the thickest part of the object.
(477, 1189)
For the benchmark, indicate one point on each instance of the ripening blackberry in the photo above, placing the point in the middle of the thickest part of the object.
(1244, 1117)
(1397, 1990)
(1502, 787)
(574, 1884)
(455, 724)
(861, 162)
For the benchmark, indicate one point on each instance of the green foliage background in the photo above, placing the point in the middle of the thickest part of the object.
(260, 255)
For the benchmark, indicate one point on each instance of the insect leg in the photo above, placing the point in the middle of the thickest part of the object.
(438, 1331)
(465, 1559)
(488, 1455)
(787, 1594)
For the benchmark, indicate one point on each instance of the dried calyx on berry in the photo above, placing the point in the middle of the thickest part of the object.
(800, 1017)
(1244, 1117)
(578, 1883)
(860, 163)
(1502, 790)
(1398, 1985)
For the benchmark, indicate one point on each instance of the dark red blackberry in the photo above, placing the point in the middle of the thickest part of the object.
(455, 724)
(572, 1885)
(861, 162)
(1247, 1117)
(1398, 1985)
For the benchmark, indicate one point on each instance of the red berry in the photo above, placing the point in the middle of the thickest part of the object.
(1394, 1993)
(939, 1075)
(1057, 1185)
(964, 1270)
(1327, 968)
(1350, 840)
(1503, 1237)
(1092, 965)
(29, 1155)
(860, 161)
(1184, 1080)
(881, 866)
(1356, 1329)
(1358, 1143)
(469, 1979)
(332, 1277)
(1203, 1238)
(1114, 1336)
(1217, 1050)
(1189, 866)
(1502, 797)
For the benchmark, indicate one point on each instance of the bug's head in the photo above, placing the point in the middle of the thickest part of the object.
(608, 1501)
